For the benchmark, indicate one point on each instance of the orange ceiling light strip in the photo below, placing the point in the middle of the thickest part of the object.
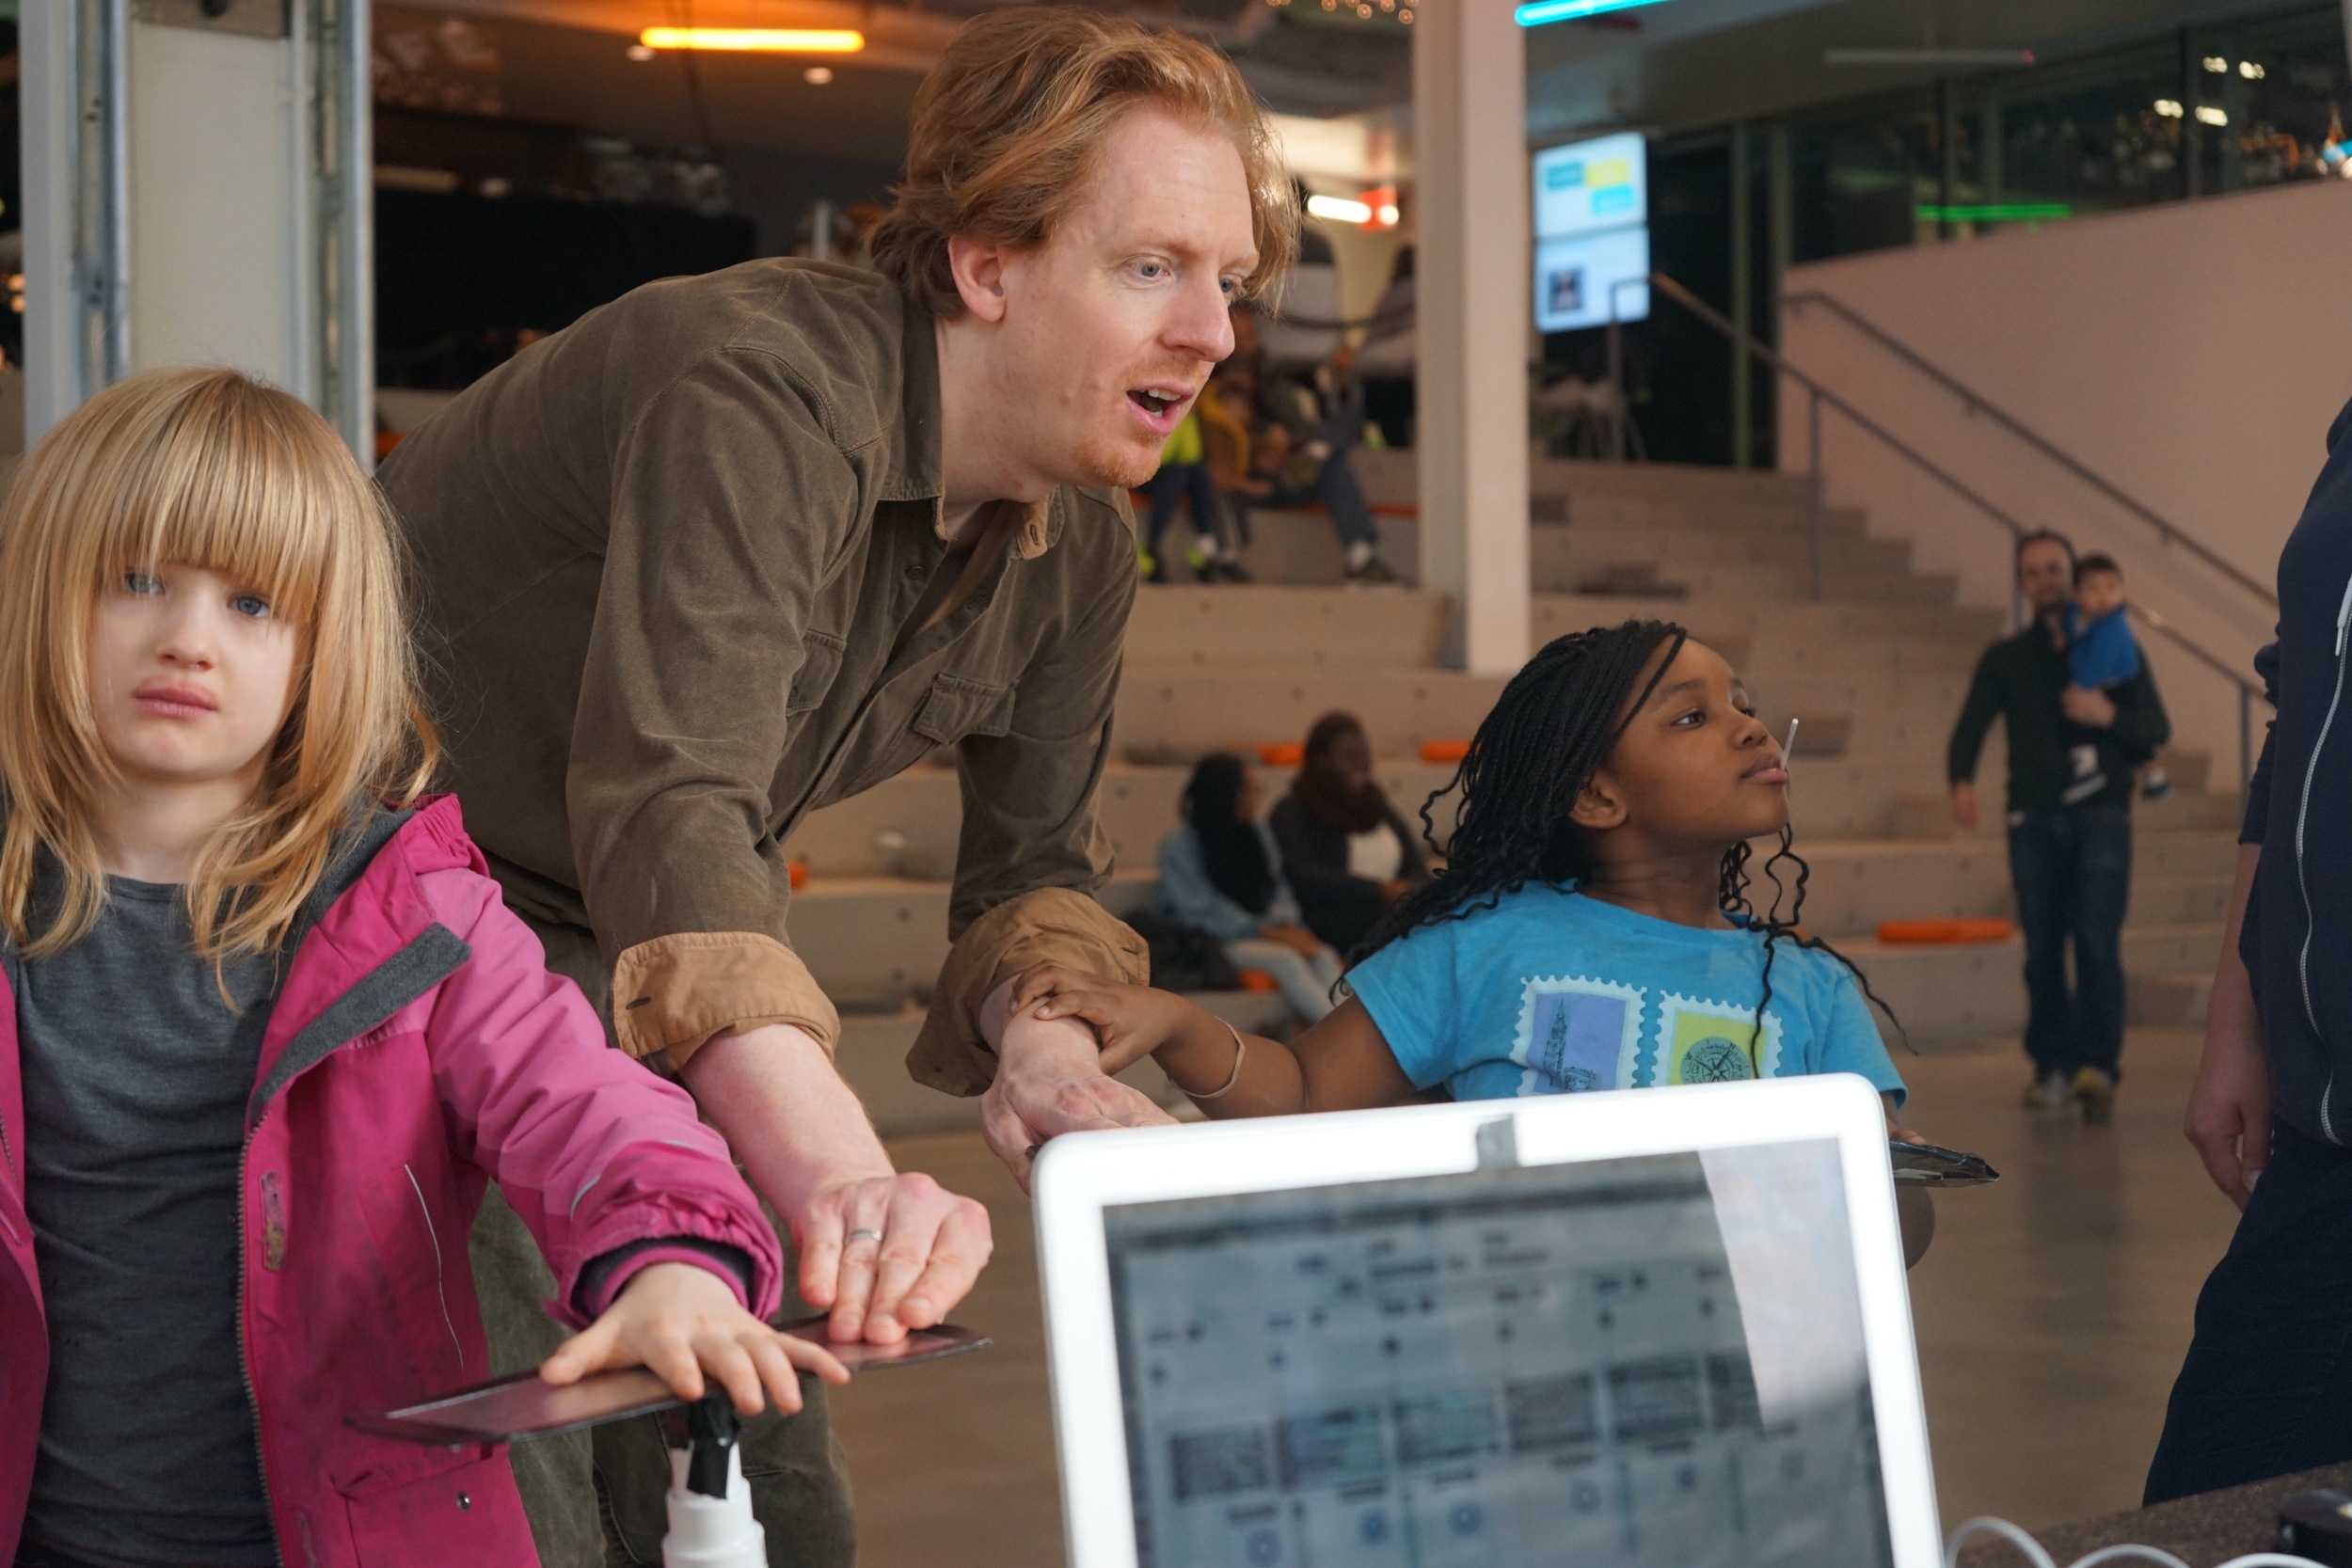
(769, 40)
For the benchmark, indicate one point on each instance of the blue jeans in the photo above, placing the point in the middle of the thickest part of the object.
(2266, 1389)
(2073, 870)
(1342, 495)
(1306, 983)
(1187, 481)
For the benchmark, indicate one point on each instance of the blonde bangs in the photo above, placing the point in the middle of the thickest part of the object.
(210, 468)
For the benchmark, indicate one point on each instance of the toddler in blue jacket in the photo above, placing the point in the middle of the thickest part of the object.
(2102, 653)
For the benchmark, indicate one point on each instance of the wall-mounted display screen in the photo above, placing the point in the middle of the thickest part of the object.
(1585, 185)
(1577, 278)
(1592, 216)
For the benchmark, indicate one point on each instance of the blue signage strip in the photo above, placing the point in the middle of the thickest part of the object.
(1536, 12)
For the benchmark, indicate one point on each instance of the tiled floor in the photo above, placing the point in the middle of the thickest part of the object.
(2052, 1314)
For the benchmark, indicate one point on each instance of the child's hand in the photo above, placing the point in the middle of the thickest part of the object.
(681, 1322)
(1132, 1022)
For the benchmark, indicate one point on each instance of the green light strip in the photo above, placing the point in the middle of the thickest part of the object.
(1999, 212)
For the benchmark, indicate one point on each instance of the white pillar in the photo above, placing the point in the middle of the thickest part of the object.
(1474, 269)
(198, 190)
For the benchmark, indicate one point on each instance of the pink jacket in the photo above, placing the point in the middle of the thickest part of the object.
(418, 1049)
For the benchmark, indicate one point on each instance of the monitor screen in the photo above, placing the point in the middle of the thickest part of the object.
(1655, 1360)
(1578, 281)
(1590, 185)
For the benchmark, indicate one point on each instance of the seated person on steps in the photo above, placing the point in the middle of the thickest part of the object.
(1348, 853)
(1592, 930)
(1221, 874)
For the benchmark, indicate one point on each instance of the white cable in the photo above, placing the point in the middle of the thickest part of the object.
(2120, 1554)
(2006, 1532)
(2038, 1558)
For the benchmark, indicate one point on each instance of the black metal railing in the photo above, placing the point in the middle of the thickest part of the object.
(1820, 396)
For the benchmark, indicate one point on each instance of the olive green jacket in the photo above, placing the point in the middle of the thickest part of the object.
(663, 556)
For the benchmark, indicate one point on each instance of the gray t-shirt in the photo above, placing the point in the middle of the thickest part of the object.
(136, 1073)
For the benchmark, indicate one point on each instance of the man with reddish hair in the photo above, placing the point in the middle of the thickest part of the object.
(736, 547)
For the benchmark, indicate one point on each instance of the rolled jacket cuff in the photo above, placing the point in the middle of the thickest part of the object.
(674, 993)
(1051, 924)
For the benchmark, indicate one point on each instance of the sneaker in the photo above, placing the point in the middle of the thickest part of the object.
(2094, 1091)
(1154, 569)
(1229, 570)
(1373, 572)
(2048, 1092)
(2155, 783)
(2083, 789)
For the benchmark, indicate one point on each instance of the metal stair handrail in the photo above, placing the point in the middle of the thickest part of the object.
(1976, 402)
(1819, 394)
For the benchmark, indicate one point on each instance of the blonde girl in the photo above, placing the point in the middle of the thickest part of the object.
(266, 1031)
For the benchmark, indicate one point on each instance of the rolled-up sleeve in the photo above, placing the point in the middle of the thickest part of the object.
(1032, 853)
(730, 503)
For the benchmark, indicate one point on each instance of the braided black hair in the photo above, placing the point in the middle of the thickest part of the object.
(1553, 728)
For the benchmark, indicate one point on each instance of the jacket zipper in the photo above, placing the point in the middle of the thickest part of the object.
(2302, 880)
(245, 1364)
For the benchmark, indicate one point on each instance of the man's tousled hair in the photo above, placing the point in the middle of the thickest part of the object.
(1009, 126)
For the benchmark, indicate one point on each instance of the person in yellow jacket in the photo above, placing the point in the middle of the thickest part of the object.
(1183, 475)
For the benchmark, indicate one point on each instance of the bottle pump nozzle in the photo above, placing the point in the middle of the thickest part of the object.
(711, 1504)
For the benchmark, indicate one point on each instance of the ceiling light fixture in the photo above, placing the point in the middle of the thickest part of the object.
(2209, 114)
(2169, 108)
(1338, 209)
(817, 75)
(1536, 12)
(766, 41)
(2252, 70)
(641, 52)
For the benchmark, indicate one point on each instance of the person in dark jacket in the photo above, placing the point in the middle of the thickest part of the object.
(1348, 853)
(2070, 848)
(2266, 1389)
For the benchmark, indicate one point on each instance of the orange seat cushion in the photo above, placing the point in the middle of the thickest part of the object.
(1943, 932)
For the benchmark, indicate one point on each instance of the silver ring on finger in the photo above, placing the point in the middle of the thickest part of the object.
(874, 1236)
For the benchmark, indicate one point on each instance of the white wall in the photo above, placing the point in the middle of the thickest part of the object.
(2194, 354)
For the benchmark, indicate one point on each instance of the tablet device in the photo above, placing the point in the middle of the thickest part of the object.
(1926, 1165)
(1663, 1327)
(522, 1406)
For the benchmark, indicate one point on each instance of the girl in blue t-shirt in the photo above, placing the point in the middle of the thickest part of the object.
(1592, 928)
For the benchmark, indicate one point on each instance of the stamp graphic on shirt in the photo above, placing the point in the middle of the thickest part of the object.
(1577, 1035)
(1709, 1042)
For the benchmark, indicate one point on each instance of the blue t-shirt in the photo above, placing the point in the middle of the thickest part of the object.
(1552, 993)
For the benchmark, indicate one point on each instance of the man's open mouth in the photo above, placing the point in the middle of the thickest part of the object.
(1156, 400)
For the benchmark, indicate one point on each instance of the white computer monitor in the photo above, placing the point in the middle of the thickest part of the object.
(1659, 1326)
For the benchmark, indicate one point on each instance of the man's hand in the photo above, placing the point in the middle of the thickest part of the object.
(888, 1254)
(806, 1145)
(2094, 711)
(682, 1321)
(1965, 803)
(2228, 1110)
(2229, 1106)
(1049, 1081)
